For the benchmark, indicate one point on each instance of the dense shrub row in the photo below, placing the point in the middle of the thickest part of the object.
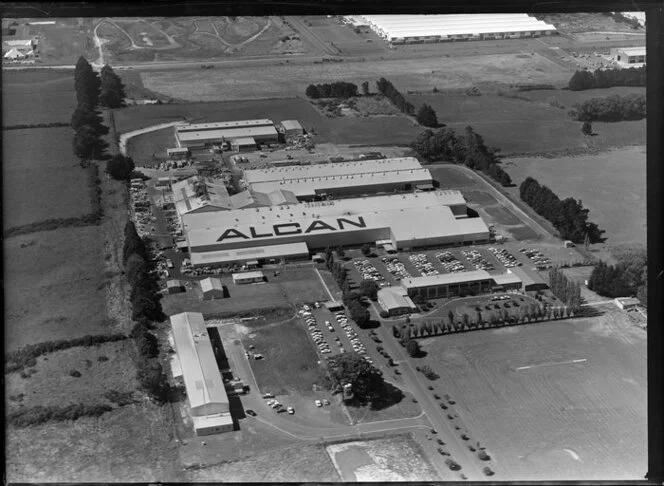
(387, 89)
(568, 216)
(611, 109)
(40, 414)
(27, 355)
(564, 289)
(467, 148)
(36, 125)
(606, 78)
(339, 89)
(86, 120)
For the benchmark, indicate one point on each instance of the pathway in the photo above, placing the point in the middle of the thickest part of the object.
(125, 137)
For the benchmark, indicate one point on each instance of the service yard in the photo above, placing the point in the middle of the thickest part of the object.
(551, 399)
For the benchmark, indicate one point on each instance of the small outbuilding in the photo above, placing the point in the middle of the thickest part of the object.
(627, 303)
(178, 152)
(292, 128)
(395, 301)
(246, 144)
(531, 280)
(174, 287)
(334, 306)
(212, 288)
(248, 277)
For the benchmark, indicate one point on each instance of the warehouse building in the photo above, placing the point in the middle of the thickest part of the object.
(395, 301)
(203, 135)
(343, 179)
(418, 29)
(291, 128)
(532, 281)
(629, 56)
(174, 287)
(248, 277)
(246, 144)
(404, 221)
(627, 303)
(206, 395)
(178, 153)
(450, 285)
(212, 288)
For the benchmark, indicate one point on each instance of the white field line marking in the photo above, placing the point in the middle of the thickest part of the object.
(551, 364)
(324, 284)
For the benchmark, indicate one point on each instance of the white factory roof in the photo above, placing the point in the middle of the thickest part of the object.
(330, 170)
(310, 186)
(211, 283)
(254, 274)
(291, 125)
(402, 26)
(506, 278)
(227, 133)
(186, 189)
(263, 252)
(202, 379)
(445, 279)
(195, 127)
(395, 298)
(633, 51)
(244, 141)
(410, 216)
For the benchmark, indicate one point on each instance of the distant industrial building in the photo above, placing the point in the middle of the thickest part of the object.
(449, 285)
(174, 287)
(211, 289)
(395, 301)
(342, 179)
(292, 128)
(248, 277)
(202, 135)
(629, 56)
(418, 29)
(246, 144)
(206, 395)
(402, 221)
(178, 153)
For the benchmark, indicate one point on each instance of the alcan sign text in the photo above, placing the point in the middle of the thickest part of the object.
(287, 229)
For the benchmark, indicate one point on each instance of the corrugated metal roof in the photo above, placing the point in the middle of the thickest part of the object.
(255, 274)
(210, 283)
(192, 127)
(394, 298)
(445, 279)
(291, 125)
(227, 133)
(200, 372)
(633, 51)
(267, 251)
(244, 141)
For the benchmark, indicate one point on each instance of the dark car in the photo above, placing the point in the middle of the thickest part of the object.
(251, 412)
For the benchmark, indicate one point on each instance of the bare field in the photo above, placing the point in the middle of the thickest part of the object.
(31, 97)
(130, 444)
(52, 385)
(150, 147)
(533, 121)
(65, 41)
(42, 158)
(450, 177)
(569, 23)
(615, 192)
(289, 79)
(347, 130)
(54, 286)
(302, 462)
(539, 413)
(397, 458)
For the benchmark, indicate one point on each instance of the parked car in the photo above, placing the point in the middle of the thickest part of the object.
(319, 403)
(291, 410)
(251, 412)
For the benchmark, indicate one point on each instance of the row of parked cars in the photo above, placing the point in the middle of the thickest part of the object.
(368, 271)
(355, 341)
(536, 256)
(505, 257)
(477, 260)
(396, 268)
(423, 265)
(316, 333)
(450, 262)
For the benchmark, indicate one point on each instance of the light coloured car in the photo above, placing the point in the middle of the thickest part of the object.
(318, 403)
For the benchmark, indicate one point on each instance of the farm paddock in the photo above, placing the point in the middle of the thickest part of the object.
(552, 399)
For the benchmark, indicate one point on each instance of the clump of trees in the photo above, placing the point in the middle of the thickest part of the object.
(628, 277)
(611, 109)
(369, 288)
(606, 78)
(120, 167)
(357, 311)
(386, 88)
(86, 121)
(467, 148)
(587, 128)
(426, 116)
(367, 384)
(112, 90)
(339, 89)
(568, 216)
(564, 289)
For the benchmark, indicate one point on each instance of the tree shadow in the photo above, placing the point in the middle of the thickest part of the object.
(391, 395)
(371, 324)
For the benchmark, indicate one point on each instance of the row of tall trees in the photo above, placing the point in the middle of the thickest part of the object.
(606, 78)
(568, 216)
(338, 89)
(567, 291)
(466, 148)
(112, 90)
(386, 88)
(356, 310)
(86, 120)
(120, 167)
(611, 109)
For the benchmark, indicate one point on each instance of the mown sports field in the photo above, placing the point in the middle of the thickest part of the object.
(565, 399)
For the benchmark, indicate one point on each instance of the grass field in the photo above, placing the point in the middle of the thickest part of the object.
(63, 42)
(148, 147)
(289, 79)
(345, 130)
(611, 185)
(301, 462)
(290, 364)
(49, 294)
(586, 22)
(42, 159)
(451, 178)
(528, 123)
(397, 458)
(584, 420)
(53, 386)
(31, 97)
(96, 450)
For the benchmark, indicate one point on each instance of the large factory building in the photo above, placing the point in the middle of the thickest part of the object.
(399, 221)
(344, 179)
(244, 132)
